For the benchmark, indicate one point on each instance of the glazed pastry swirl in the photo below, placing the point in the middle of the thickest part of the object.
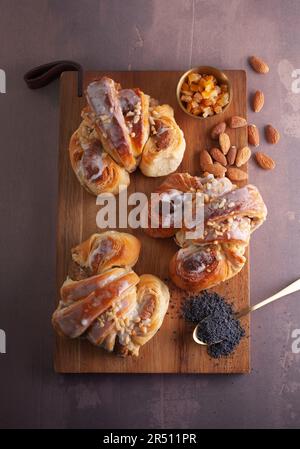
(230, 216)
(107, 250)
(165, 148)
(105, 301)
(94, 168)
(198, 267)
(114, 138)
(172, 190)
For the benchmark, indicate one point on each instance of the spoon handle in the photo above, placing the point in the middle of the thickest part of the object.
(294, 287)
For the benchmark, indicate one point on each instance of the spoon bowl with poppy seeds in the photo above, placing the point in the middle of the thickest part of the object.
(207, 328)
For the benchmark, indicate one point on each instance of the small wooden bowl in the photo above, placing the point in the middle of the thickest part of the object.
(205, 70)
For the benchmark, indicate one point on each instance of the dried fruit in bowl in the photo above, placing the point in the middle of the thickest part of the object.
(201, 95)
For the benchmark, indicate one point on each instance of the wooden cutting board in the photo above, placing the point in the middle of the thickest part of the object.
(172, 350)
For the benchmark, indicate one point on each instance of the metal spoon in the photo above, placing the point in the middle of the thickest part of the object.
(294, 287)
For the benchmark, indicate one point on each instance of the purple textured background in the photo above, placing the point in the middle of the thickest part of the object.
(133, 35)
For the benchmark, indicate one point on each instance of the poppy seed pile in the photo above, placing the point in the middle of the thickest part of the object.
(218, 327)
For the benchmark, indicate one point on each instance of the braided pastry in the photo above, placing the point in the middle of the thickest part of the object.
(120, 137)
(230, 216)
(114, 138)
(104, 300)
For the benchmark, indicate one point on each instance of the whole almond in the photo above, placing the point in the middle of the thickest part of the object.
(205, 160)
(253, 135)
(258, 101)
(264, 161)
(216, 169)
(218, 156)
(237, 122)
(272, 135)
(217, 130)
(224, 142)
(236, 174)
(243, 156)
(231, 155)
(258, 64)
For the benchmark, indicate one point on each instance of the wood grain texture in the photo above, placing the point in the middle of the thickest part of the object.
(172, 350)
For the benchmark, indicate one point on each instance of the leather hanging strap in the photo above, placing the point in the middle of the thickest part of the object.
(43, 74)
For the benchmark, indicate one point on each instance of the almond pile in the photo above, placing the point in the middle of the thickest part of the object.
(226, 159)
(272, 135)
